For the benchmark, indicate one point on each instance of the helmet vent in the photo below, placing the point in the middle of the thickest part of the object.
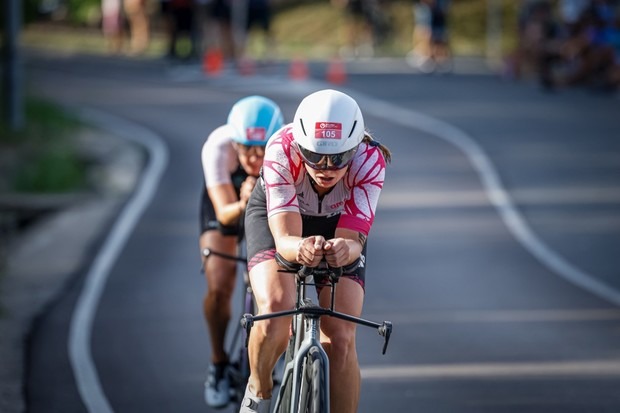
(352, 129)
(301, 122)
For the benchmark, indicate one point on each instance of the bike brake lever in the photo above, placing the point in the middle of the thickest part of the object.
(385, 330)
(247, 321)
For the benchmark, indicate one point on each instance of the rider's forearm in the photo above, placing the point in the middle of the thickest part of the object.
(288, 246)
(286, 228)
(230, 214)
(355, 241)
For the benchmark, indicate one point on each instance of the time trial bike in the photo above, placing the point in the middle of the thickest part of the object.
(304, 383)
(239, 368)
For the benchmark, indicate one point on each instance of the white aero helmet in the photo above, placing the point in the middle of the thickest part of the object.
(254, 119)
(327, 128)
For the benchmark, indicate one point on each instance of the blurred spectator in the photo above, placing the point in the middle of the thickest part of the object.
(362, 19)
(431, 47)
(182, 12)
(440, 42)
(575, 44)
(202, 26)
(536, 28)
(165, 11)
(138, 19)
(421, 51)
(259, 14)
(221, 14)
(113, 24)
(584, 52)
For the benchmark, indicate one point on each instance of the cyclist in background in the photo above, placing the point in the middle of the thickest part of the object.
(231, 160)
(315, 199)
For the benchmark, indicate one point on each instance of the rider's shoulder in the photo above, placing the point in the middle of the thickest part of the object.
(220, 136)
(367, 157)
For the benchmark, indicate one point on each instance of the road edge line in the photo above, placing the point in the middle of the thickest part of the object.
(494, 189)
(80, 331)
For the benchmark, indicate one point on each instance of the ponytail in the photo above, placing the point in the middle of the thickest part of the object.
(387, 155)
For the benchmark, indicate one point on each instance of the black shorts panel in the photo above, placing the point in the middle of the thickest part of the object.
(208, 220)
(260, 240)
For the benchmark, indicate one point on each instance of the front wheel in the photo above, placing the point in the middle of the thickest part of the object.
(314, 397)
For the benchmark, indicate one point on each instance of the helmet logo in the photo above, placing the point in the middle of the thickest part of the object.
(255, 134)
(328, 130)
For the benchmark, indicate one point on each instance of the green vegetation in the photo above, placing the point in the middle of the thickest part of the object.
(313, 29)
(41, 157)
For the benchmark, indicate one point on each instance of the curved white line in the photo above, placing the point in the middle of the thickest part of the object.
(80, 356)
(499, 197)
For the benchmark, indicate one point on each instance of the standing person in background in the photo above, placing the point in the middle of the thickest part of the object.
(359, 40)
(440, 35)
(259, 14)
(112, 25)
(165, 11)
(431, 48)
(420, 55)
(183, 25)
(315, 200)
(231, 160)
(139, 30)
(202, 26)
(221, 12)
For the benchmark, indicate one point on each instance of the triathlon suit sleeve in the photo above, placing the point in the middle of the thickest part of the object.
(219, 158)
(355, 197)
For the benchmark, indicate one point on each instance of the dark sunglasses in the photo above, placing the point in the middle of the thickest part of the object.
(250, 150)
(324, 162)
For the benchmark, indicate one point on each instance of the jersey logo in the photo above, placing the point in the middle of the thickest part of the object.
(328, 130)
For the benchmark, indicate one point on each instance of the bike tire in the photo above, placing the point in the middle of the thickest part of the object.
(286, 389)
(314, 394)
(242, 364)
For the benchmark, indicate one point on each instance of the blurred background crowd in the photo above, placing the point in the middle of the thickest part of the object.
(569, 42)
(558, 42)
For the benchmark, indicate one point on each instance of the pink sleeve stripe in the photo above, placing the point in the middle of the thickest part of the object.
(354, 223)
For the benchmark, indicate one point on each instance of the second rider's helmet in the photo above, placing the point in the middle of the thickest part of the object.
(254, 119)
(327, 129)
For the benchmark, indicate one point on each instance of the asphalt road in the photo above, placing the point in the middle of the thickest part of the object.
(494, 251)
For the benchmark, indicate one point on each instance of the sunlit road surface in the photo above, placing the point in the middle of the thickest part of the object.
(494, 250)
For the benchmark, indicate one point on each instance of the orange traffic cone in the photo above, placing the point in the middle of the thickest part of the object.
(336, 72)
(298, 70)
(212, 62)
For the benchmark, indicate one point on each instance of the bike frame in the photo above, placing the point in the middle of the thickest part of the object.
(306, 335)
(237, 350)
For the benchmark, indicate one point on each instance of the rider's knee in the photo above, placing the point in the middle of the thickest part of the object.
(342, 350)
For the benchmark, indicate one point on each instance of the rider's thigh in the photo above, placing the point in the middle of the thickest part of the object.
(349, 300)
(218, 270)
(273, 290)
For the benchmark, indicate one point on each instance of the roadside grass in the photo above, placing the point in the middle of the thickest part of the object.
(37, 160)
(41, 158)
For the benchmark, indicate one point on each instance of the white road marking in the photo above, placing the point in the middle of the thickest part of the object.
(500, 316)
(498, 196)
(89, 385)
(543, 369)
(80, 332)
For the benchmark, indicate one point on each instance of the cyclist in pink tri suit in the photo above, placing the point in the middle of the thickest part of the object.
(315, 200)
(231, 160)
